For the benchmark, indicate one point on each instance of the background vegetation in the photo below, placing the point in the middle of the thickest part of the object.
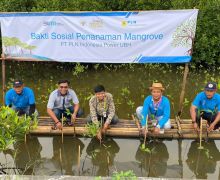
(207, 45)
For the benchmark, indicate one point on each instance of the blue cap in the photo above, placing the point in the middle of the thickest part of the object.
(211, 86)
(17, 83)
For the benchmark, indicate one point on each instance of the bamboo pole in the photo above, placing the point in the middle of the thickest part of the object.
(25, 137)
(136, 122)
(145, 132)
(3, 77)
(200, 135)
(186, 71)
(62, 128)
(74, 126)
(79, 160)
(61, 161)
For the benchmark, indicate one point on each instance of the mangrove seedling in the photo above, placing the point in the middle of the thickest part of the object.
(14, 127)
(92, 129)
(124, 175)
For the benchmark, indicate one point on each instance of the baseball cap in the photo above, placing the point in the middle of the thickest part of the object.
(17, 83)
(210, 86)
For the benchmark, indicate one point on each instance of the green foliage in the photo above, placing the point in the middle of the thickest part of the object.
(78, 69)
(124, 175)
(13, 127)
(92, 129)
(125, 92)
(144, 148)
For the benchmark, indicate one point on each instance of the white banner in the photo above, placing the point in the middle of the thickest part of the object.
(100, 37)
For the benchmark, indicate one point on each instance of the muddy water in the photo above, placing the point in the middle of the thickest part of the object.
(176, 159)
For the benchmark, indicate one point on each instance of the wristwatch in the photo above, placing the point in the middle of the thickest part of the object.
(193, 122)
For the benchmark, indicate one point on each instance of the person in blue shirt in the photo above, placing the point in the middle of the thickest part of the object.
(206, 105)
(20, 98)
(156, 108)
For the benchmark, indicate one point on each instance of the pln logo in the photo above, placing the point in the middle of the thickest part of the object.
(97, 23)
(128, 23)
(52, 23)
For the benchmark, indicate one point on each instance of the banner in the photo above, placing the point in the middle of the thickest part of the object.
(100, 37)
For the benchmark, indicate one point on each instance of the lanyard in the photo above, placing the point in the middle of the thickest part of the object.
(156, 105)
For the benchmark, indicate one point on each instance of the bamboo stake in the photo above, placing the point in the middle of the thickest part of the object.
(3, 76)
(61, 162)
(74, 126)
(108, 163)
(25, 137)
(62, 128)
(136, 122)
(200, 135)
(79, 160)
(145, 132)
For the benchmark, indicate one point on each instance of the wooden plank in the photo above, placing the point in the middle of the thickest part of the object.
(126, 128)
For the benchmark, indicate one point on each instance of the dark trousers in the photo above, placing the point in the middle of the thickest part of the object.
(208, 116)
(101, 118)
(59, 112)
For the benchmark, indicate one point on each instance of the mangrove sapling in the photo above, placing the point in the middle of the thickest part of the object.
(72, 121)
(92, 129)
(13, 127)
(124, 175)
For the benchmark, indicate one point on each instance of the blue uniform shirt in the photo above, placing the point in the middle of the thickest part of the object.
(23, 100)
(162, 109)
(203, 103)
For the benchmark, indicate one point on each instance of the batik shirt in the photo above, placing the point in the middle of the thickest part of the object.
(101, 107)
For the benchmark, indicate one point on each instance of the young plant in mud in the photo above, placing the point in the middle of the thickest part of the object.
(14, 127)
(124, 175)
(145, 149)
(92, 129)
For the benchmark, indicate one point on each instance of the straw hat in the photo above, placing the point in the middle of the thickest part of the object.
(157, 86)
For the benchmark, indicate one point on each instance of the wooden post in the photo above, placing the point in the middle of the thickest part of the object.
(3, 78)
(186, 71)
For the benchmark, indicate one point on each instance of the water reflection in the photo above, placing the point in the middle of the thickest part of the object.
(154, 162)
(65, 155)
(102, 155)
(203, 161)
(26, 155)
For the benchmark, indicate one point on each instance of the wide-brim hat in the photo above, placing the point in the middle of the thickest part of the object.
(157, 86)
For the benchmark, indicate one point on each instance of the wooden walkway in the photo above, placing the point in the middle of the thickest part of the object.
(181, 129)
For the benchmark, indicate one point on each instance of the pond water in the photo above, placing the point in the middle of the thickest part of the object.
(176, 159)
(129, 85)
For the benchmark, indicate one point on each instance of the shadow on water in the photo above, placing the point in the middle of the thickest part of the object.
(154, 162)
(65, 155)
(164, 159)
(102, 156)
(26, 155)
(64, 158)
(203, 161)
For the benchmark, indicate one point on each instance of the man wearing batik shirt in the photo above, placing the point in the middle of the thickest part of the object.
(102, 108)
